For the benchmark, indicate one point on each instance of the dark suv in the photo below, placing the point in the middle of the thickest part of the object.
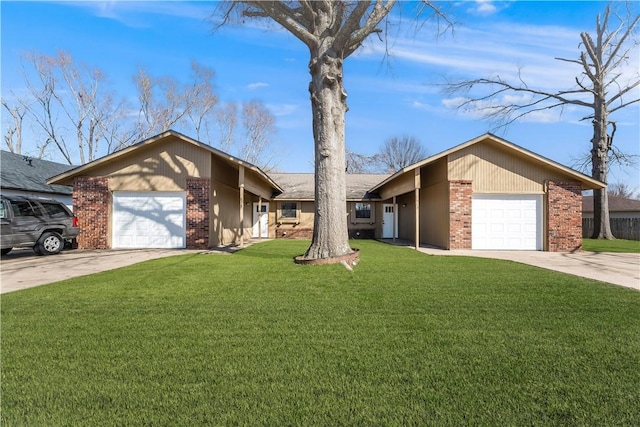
(42, 224)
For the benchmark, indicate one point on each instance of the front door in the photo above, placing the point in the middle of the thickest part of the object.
(260, 220)
(389, 220)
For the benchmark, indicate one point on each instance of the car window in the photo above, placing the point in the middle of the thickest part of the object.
(54, 210)
(22, 209)
(3, 210)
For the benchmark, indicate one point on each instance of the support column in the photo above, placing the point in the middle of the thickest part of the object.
(241, 186)
(260, 218)
(395, 219)
(416, 184)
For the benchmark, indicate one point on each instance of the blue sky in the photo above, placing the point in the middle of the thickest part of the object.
(394, 97)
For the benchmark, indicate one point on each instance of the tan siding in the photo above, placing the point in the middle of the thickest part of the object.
(406, 216)
(493, 170)
(434, 173)
(225, 215)
(164, 166)
(400, 185)
(434, 215)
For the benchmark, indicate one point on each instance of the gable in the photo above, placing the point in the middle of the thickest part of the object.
(495, 169)
(162, 166)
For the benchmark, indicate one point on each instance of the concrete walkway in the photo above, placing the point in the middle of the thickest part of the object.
(617, 268)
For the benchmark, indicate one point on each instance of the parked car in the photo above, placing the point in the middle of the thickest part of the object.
(42, 224)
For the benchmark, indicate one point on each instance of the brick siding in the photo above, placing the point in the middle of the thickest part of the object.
(460, 194)
(294, 233)
(198, 191)
(91, 206)
(564, 213)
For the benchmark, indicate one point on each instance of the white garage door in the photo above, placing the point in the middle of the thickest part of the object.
(149, 220)
(506, 222)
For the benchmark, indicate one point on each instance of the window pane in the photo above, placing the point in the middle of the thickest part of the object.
(3, 210)
(288, 210)
(54, 210)
(22, 209)
(363, 210)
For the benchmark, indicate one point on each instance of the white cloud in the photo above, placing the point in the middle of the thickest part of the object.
(484, 7)
(257, 85)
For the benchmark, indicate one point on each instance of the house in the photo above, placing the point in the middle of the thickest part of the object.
(619, 207)
(624, 217)
(173, 191)
(22, 175)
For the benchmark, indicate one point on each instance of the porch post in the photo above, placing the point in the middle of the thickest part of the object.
(416, 184)
(395, 219)
(260, 217)
(241, 185)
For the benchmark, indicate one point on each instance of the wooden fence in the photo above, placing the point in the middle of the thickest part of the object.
(622, 228)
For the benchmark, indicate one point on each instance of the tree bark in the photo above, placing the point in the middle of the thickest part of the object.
(601, 144)
(328, 105)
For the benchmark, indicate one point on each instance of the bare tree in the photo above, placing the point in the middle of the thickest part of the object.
(332, 31)
(259, 127)
(43, 110)
(399, 152)
(13, 130)
(203, 99)
(360, 163)
(622, 189)
(226, 118)
(600, 89)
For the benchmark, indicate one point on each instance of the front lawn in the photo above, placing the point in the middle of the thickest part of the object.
(618, 245)
(253, 339)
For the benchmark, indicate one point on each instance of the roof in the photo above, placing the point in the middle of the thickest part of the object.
(20, 172)
(84, 168)
(300, 186)
(588, 183)
(616, 204)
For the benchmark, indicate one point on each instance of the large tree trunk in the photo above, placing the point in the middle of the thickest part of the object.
(328, 104)
(601, 144)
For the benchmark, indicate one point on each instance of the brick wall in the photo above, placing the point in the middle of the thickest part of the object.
(198, 213)
(294, 233)
(460, 193)
(91, 206)
(564, 216)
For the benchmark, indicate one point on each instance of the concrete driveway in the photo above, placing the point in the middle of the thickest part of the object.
(22, 269)
(616, 268)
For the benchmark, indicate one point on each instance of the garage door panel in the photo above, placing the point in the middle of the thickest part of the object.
(507, 222)
(149, 220)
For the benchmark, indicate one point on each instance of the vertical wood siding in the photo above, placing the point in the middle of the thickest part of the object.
(493, 170)
(162, 166)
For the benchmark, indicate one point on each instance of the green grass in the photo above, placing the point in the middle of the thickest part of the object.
(618, 245)
(253, 339)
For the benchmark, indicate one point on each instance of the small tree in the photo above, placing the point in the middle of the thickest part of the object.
(259, 127)
(399, 152)
(600, 88)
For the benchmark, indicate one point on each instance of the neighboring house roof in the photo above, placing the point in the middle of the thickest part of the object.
(81, 169)
(616, 204)
(20, 172)
(301, 186)
(587, 182)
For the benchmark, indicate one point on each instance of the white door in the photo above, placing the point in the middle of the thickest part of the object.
(260, 220)
(506, 222)
(388, 221)
(148, 220)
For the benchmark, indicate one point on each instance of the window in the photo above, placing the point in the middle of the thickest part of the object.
(54, 210)
(22, 209)
(363, 210)
(288, 210)
(3, 210)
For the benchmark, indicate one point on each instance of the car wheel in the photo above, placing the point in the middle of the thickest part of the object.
(5, 251)
(49, 244)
